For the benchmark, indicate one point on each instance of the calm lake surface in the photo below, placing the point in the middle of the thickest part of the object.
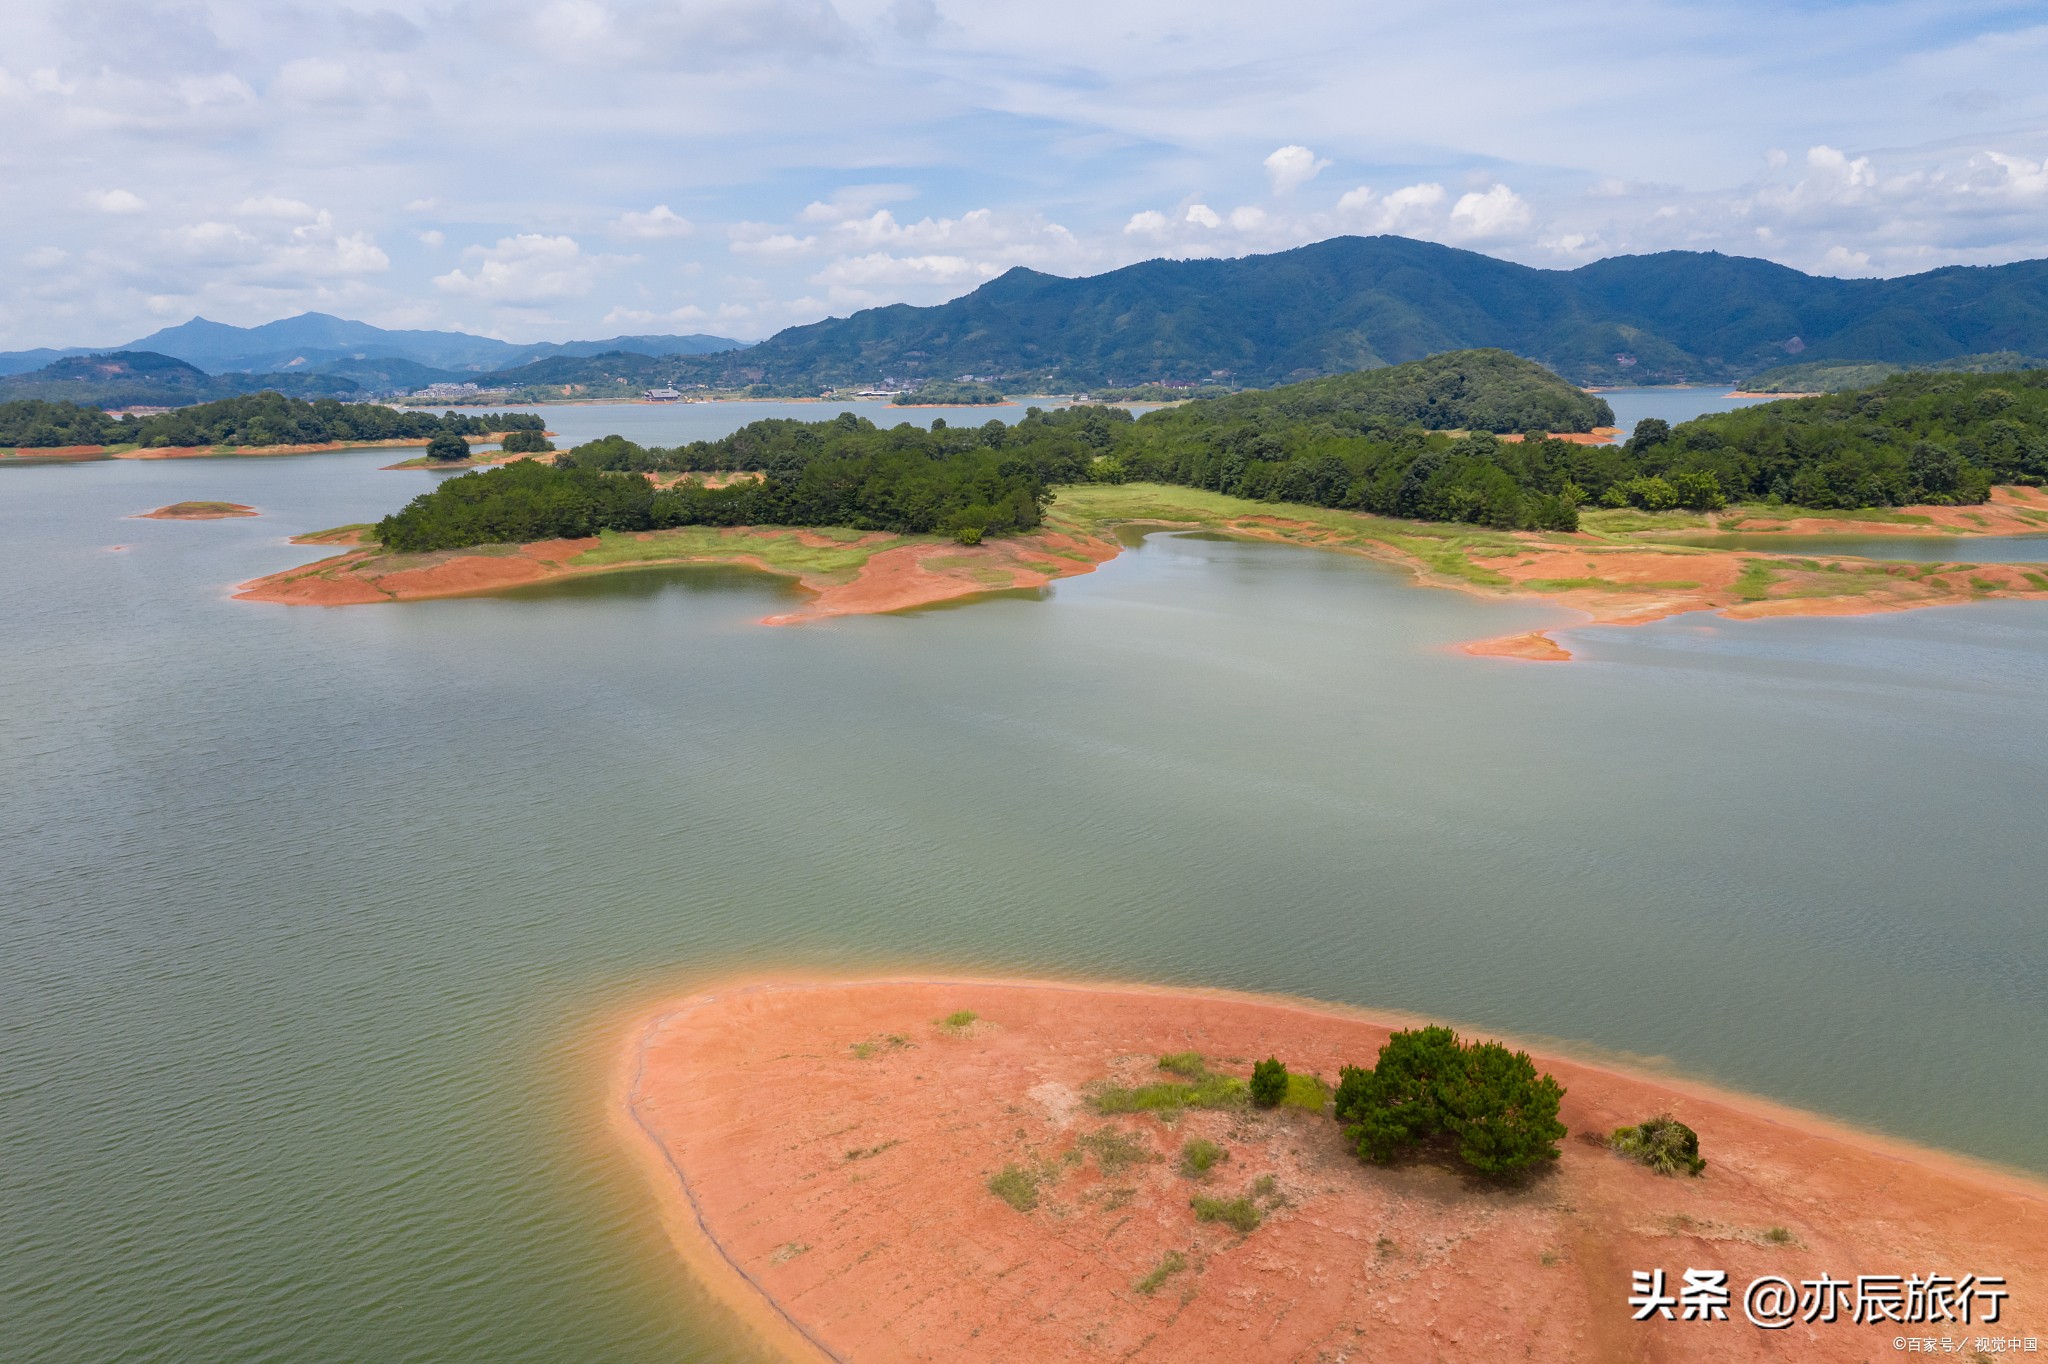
(318, 928)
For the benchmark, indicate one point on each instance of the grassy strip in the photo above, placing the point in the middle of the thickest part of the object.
(1754, 583)
(780, 550)
(1171, 1096)
(1173, 1263)
(1603, 585)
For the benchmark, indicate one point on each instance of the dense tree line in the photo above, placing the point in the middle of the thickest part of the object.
(1915, 438)
(273, 419)
(967, 483)
(34, 423)
(256, 419)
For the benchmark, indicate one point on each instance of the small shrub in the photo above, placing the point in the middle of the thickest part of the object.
(1198, 1156)
(1116, 1150)
(959, 1019)
(1778, 1236)
(1240, 1214)
(1663, 1143)
(1186, 1064)
(1172, 1264)
(968, 535)
(1016, 1186)
(1269, 1083)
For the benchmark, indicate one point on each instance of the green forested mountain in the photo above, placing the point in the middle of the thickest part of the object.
(1480, 390)
(1360, 302)
(146, 379)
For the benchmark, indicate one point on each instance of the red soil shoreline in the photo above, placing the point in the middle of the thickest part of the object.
(758, 1123)
(1608, 582)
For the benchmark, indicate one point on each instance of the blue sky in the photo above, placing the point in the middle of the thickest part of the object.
(542, 169)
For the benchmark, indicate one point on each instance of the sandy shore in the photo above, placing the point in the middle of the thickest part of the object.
(197, 511)
(821, 1152)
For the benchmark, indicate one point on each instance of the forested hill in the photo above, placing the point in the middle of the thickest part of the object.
(1358, 302)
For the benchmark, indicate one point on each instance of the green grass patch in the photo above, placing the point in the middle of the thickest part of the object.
(1604, 585)
(958, 1020)
(1017, 1186)
(1198, 1156)
(1984, 585)
(1168, 1097)
(779, 550)
(1618, 521)
(1305, 1091)
(1779, 1236)
(1189, 1065)
(875, 1046)
(1240, 1214)
(2036, 579)
(1173, 1263)
(1754, 582)
(1116, 1150)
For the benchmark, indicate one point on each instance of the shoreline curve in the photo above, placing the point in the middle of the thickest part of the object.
(695, 1073)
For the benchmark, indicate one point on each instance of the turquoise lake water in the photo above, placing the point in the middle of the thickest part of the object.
(317, 926)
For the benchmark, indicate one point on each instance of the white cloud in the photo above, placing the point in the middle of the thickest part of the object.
(655, 224)
(1201, 215)
(433, 238)
(273, 206)
(119, 201)
(757, 239)
(1495, 213)
(1150, 223)
(881, 268)
(1293, 166)
(522, 271)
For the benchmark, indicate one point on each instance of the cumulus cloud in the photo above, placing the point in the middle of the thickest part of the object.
(1495, 213)
(656, 223)
(116, 201)
(1293, 166)
(522, 271)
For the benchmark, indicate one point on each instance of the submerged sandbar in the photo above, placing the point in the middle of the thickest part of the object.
(823, 1153)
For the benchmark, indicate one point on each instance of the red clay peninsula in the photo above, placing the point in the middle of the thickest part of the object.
(925, 1170)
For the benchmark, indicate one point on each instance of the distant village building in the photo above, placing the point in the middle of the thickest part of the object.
(447, 391)
(661, 395)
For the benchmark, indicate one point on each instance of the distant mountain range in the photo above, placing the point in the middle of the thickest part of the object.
(1359, 302)
(1346, 304)
(320, 344)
